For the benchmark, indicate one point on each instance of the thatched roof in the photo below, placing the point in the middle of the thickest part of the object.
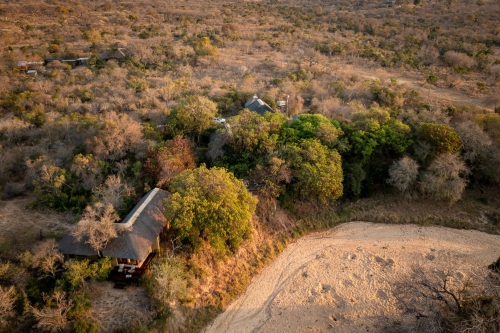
(139, 231)
(118, 53)
(69, 245)
(257, 105)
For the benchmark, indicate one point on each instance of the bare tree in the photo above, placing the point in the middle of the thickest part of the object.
(54, 318)
(403, 175)
(476, 142)
(445, 178)
(97, 226)
(446, 300)
(113, 192)
(46, 256)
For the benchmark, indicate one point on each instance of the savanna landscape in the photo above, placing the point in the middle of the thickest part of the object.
(365, 200)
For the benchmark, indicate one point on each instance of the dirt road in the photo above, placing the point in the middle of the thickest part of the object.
(341, 280)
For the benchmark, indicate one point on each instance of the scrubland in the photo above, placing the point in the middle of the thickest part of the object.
(396, 120)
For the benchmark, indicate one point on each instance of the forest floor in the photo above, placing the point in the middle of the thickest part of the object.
(342, 280)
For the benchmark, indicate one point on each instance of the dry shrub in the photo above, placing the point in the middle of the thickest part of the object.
(268, 210)
(445, 178)
(7, 301)
(446, 300)
(475, 141)
(118, 135)
(14, 130)
(454, 58)
(494, 70)
(12, 190)
(403, 175)
(327, 107)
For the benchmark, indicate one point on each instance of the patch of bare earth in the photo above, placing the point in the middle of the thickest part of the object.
(21, 227)
(342, 280)
(119, 308)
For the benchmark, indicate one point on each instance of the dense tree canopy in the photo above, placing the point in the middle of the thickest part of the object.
(210, 205)
(248, 138)
(192, 116)
(442, 138)
(308, 126)
(317, 169)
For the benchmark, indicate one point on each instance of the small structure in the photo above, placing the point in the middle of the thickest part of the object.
(138, 241)
(117, 54)
(82, 61)
(22, 66)
(255, 104)
(30, 67)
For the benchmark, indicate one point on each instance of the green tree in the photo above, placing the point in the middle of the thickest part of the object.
(138, 84)
(56, 188)
(375, 140)
(317, 170)
(442, 138)
(192, 116)
(79, 271)
(250, 138)
(376, 133)
(308, 126)
(210, 205)
(432, 79)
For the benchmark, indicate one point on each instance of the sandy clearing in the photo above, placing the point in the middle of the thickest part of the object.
(340, 280)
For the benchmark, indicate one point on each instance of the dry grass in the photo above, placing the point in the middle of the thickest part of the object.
(478, 210)
(115, 308)
(21, 226)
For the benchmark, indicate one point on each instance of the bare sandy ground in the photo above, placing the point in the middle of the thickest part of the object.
(341, 280)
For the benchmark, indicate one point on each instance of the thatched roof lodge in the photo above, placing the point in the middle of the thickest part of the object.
(255, 104)
(139, 236)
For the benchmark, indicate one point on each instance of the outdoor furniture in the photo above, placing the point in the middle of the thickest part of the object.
(131, 269)
(120, 268)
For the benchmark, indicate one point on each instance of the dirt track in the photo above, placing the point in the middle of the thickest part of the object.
(341, 280)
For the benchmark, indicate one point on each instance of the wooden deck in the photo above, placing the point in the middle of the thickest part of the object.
(122, 279)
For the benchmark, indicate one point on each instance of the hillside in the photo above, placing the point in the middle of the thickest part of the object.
(379, 111)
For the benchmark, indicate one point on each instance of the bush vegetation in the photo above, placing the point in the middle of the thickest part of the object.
(379, 101)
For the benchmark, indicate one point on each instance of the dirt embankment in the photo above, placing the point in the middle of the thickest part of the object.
(342, 280)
